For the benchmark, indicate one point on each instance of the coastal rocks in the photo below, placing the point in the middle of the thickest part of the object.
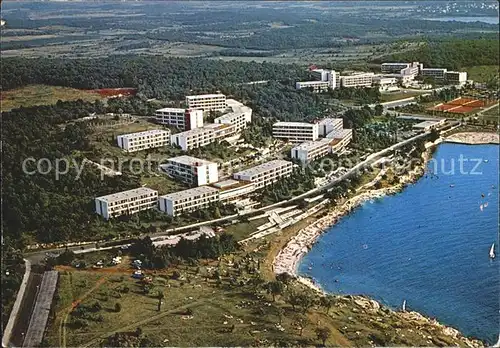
(368, 305)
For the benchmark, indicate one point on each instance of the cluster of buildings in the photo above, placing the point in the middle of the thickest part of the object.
(391, 74)
(314, 140)
(208, 190)
(195, 132)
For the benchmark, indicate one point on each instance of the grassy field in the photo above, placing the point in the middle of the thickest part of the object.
(492, 114)
(42, 95)
(482, 73)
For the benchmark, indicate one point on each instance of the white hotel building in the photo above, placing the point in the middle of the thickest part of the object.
(191, 170)
(188, 200)
(144, 140)
(357, 80)
(456, 77)
(126, 202)
(207, 102)
(436, 73)
(325, 79)
(231, 190)
(240, 116)
(199, 137)
(327, 125)
(185, 119)
(266, 173)
(296, 132)
(311, 150)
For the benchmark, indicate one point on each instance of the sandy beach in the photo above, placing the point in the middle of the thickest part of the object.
(473, 138)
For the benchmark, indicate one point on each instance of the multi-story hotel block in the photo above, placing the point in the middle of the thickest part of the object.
(240, 115)
(188, 200)
(202, 136)
(191, 170)
(325, 79)
(456, 77)
(266, 173)
(327, 125)
(436, 73)
(144, 140)
(126, 202)
(357, 80)
(295, 132)
(343, 137)
(185, 119)
(207, 102)
(231, 190)
(311, 150)
(393, 68)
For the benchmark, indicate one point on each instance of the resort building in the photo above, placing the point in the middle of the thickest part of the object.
(316, 86)
(266, 173)
(126, 202)
(185, 119)
(143, 140)
(240, 115)
(327, 125)
(199, 137)
(311, 150)
(429, 124)
(231, 190)
(343, 137)
(357, 80)
(456, 77)
(191, 170)
(436, 73)
(393, 68)
(207, 102)
(295, 132)
(188, 200)
(325, 79)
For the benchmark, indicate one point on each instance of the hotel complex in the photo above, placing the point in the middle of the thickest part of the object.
(143, 140)
(357, 79)
(231, 190)
(185, 119)
(240, 115)
(207, 102)
(295, 132)
(191, 170)
(266, 173)
(188, 200)
(311, 150)
(126, 202)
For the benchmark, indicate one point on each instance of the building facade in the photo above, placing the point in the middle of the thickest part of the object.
(311, 150)
(342, 138)
(193, 199)
(143, 140)
(266, 173)
(327, 125)
(240, 116)
(357, 80)
(185, 119)
(295, 132)
(126, 202)
(191, 170)
(436, 73)
(325, 79)
(207, 102)
(232, 190)
(456, 77)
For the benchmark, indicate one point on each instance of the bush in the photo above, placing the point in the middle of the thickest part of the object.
(118, 307)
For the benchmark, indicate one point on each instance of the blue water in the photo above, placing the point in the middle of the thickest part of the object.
(488, 20)
(428, 245)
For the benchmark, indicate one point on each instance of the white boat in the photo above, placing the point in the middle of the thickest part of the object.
(404, 305)
(492, 251)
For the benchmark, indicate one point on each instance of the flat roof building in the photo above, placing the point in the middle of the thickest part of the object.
(143, 140)
(185, 119)
(266, 173)
(395, 68)
(437, 73)
(231, 190)
(428, 125)
(311, 150)
(325, 79)
(207, 102)
(456, 77)
(191, 170)
(343, 137)
(295, 132)
(188, 200)
(240, 115)
(126, 202)
(357, 80)
(327, 125)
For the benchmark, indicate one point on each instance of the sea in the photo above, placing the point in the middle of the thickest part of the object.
(488, 20)
(428, 245)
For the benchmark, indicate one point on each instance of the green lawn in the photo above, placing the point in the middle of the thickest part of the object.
(492, 114)
(42, 95)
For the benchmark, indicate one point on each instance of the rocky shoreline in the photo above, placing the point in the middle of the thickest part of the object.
(289, 257)
(473, 138)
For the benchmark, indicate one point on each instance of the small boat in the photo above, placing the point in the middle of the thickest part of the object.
(452, 185)
(485, 161)
(492, 251)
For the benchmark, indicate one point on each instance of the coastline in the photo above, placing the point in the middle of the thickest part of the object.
(289, 257)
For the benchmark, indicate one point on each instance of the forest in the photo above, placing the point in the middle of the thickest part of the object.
(451, 54)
